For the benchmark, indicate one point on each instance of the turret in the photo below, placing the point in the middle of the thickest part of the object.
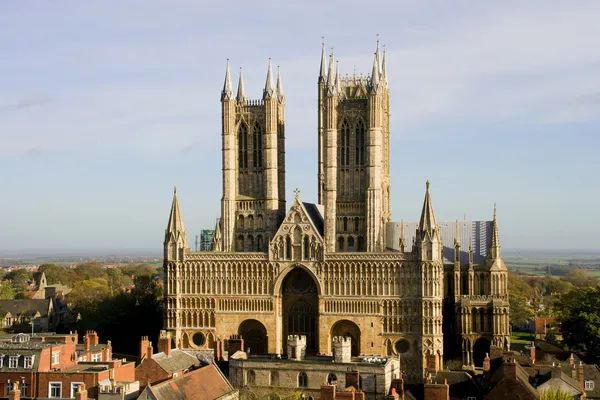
(241, 93)
(280, 94)
(383, 77)
(428, 241)
(495, 247)
(375, 217)
(321, 125)
(228, 114)
(218, 239)
(402, 239)
(271, 157)
(175, 235)
(331, 150)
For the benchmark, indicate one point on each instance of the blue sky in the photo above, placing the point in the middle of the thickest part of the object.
(105, 105)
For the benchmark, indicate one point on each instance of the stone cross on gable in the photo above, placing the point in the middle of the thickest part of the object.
(297, 192)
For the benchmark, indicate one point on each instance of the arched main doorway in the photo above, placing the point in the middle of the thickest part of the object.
(254, 334)
(480, 348)
(300, 308)
(348, 328)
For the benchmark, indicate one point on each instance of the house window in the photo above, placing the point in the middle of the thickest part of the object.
(1, 360)
(175, 374)
(589, 385)
(55, 357)
(9, 387)
(302, 380)
(55, 390)
(28, 362)
(75, 388)
(23, 389)
(97, 357)
(13, 361)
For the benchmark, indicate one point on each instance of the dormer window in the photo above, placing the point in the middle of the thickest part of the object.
(28, 361)
(13, 361)
(589, 385)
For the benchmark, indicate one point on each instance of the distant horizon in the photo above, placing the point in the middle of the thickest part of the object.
(136, 252)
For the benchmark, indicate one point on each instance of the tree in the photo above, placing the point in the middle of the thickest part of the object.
(19, 278)
(54, 274)
(519, 294)
(555, 394)
(580, 278)
(579, 314)
(7, 292)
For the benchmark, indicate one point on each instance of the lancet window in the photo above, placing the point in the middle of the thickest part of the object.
(243, 146)
(345, 144)
(257, 145)
(360, 143)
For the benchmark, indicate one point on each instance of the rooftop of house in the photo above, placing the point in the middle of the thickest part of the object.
(179, 360)
(206, 383)
(25, 307)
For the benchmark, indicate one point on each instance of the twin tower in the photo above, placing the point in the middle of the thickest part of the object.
(353, 163)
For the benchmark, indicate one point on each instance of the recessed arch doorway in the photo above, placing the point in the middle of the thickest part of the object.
(300, 304)
(347, 328)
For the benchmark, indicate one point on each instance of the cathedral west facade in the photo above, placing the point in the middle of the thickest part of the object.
(339, 267)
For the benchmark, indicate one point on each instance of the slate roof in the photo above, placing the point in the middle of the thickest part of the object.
(179, 360)
(592, 373)
(25, 306)
(461, 384)
(501, 384)
(315, 213)
(206, 383)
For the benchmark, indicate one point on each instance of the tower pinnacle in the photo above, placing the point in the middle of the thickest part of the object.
(269, 91)
(280, 94)
(456, 236)
(427, 222)
(227, 93)
(175, 229)
(323, 70)
(241, 95)
(495, 250)
(331, 76)
(384, 69)
(375, 74)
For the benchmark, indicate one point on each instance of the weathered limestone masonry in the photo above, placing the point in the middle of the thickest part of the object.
(327, 270)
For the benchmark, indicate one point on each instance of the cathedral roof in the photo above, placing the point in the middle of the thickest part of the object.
(315, 213)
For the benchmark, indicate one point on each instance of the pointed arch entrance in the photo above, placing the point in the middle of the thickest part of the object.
(300, 304)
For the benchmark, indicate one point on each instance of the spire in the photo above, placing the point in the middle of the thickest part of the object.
(280, 94)
(495, 250)
(470, 251)
(227, 93)
(456, 236)
(337, 78)
(217, 238)
(375, 73)
(175, 226)
(377, 56)
(402, 239)
(331, 76)
(384, 69)
(269, 91)
(323, 70)
(241, 94)
(427, 222)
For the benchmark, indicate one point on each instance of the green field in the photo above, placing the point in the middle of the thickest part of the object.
(521, 337)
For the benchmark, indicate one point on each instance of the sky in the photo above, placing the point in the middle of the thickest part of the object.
(105, 105)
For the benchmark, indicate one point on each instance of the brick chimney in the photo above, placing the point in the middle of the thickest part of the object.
(532, 353)
(234, 344)
(486, 363)
(164, 343)
(495, 352)
(81, 393)
(144, 346)
(397, 387)
(510, 369)
(93, 338)
(437, 391)
(15, 393)
(86, 342)
(327, 392)
(581, 378)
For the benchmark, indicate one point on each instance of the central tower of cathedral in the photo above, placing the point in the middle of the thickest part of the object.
(354, 157)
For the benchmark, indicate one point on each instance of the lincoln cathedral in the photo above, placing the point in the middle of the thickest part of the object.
(419, 293)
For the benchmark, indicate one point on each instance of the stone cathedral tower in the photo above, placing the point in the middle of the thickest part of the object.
(354, 158)
(253, 203)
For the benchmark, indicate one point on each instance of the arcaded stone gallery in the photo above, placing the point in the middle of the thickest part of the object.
(415, 292)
